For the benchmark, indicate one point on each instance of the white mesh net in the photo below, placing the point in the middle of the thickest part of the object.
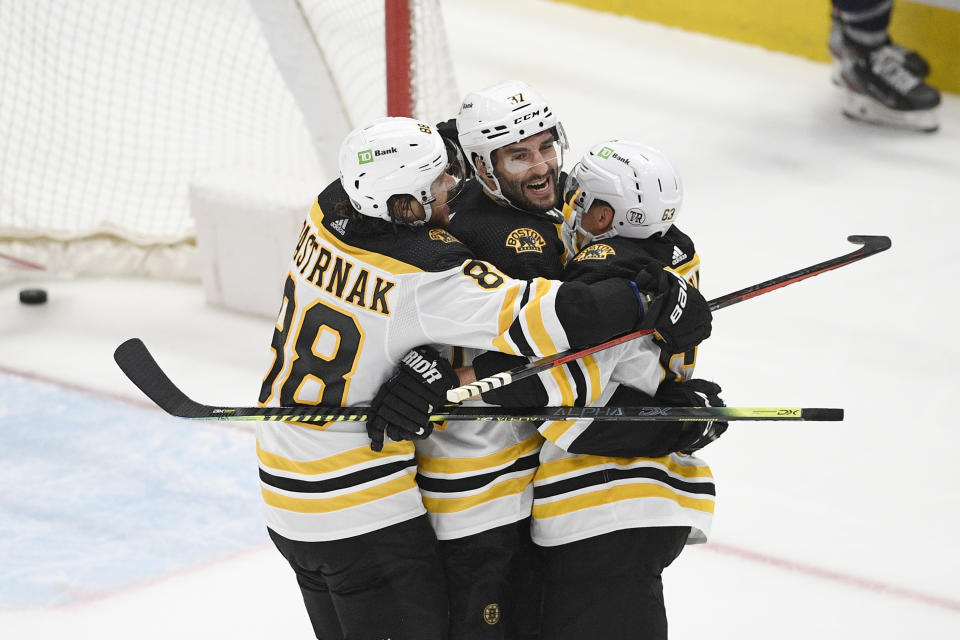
(110, 108)
(351, 34)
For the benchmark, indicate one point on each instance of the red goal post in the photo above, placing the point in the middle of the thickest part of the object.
(398, 45)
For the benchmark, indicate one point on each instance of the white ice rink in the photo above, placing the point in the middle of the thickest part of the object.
(822, 530)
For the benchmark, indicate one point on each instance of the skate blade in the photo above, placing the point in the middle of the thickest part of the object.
(858, 106)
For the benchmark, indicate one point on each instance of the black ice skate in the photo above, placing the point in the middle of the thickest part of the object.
(878, 88)
(910, 59)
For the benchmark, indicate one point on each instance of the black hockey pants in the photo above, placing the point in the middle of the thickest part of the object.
(608, 587)
(494, 582)
(383, 584)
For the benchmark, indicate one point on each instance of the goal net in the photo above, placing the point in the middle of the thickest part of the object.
(110, 109)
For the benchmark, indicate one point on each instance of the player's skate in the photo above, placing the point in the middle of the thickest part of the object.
(910, 59)
(879, 89)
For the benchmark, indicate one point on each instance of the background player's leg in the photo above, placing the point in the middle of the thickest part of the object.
(883, 82)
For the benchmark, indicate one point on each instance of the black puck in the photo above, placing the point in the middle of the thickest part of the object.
(33, 296)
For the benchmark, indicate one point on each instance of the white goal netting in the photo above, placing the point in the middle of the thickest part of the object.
(109, 109)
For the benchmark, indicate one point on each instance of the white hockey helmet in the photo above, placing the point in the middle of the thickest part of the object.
(398, 156)
(637, 181)
(500, 115)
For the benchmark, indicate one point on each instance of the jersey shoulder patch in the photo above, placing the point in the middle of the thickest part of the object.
(526, 240)
(442, 235)
(597, 251)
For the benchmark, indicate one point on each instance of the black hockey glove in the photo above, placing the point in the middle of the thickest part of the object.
(694, 393)
(402, 407)
(675, 310)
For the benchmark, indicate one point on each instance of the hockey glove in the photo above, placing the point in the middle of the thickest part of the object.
(673, 308)
(694, 393)
(402, 407)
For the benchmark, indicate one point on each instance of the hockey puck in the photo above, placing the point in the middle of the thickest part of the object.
(33, 296)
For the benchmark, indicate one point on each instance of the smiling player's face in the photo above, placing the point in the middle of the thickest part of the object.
(528, 172)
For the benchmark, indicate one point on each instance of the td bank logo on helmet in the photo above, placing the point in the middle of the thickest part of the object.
(369, 155)
(607, 152)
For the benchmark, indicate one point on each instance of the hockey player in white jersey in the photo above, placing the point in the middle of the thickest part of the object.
(373, 276)
(477, 481)
(614, 503)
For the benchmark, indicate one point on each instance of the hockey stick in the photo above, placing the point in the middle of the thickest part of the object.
(870, 246)
(138, 364)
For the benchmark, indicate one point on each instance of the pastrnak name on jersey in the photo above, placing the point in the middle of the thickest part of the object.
(336, 275)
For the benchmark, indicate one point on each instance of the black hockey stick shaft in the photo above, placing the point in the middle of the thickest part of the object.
(136, 361)
(870, 245)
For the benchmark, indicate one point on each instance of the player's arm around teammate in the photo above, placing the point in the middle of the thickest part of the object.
(608, 520)
(373, 276)
(476, 478)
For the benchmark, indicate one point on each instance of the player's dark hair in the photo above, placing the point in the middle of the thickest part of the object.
(400, 206)
(363, 225)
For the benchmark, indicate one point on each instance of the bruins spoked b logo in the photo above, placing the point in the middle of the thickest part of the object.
(525, 240)
(491, 613)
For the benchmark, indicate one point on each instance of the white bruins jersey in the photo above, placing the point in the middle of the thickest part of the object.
(578, 496)
(355, 301)
(476, 476)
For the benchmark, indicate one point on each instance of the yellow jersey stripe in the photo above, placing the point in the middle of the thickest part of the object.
(566, 250)
(563, 382)
(556, 429)
(345, 501)
(502, 489)
(500, 458)
(593, 370)
(500, 344)
(506, 319)
(608, 495)
(689, 265)
(388, 264)
(534, 316)
(335, 462)
(585, 462)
